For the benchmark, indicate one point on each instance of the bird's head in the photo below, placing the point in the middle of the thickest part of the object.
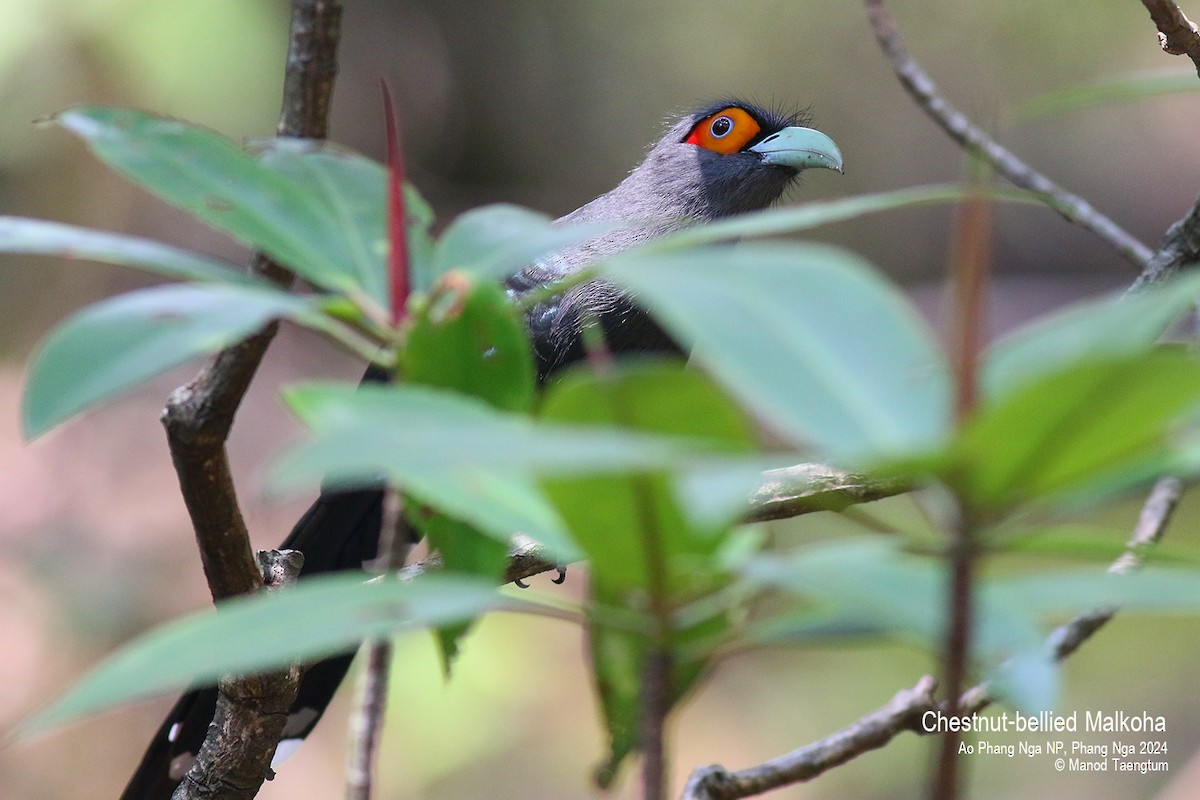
(727, 158)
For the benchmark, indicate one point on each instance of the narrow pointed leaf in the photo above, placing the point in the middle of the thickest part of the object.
(791, 219)
(620, 656)
(1121, 89)
(399, 267)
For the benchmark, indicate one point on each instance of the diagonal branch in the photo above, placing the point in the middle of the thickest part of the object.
(960, 128)
(1179, 248)
(906, 710)
(1176, 33)
(870, 732)
(198, 418)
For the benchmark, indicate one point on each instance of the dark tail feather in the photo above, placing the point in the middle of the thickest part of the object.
(340, 531)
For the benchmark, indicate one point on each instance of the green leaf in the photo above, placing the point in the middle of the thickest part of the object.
(458, 454)
(868, 587)
(1157, 589)
(498, 504)
(639, 541)
(309, 208)
(807, 336)
(470, 338)
(618, 668)
(644, 397)
(370, 431)
(351, 191)
(315, 618)
(1110, 92)
(464, 551)
(496, 241)
(806, 216)
(620, 657)
(40, 237)
(1111, 326)
(1099, 425)
(119, 343)
(1089, 543)
(864, 587)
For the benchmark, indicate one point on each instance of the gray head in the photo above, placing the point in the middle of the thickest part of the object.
(727, 158)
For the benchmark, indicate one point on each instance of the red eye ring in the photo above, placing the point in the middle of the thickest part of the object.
(725, 132)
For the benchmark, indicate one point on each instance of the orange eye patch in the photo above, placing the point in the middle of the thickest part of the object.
(725, 132)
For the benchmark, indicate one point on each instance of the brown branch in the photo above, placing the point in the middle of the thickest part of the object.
(232, 762)
(871, 732)
(366, 722)
(906, 709)
(1177, 34)
(198, 417)
(960, 128)
(1179, 248)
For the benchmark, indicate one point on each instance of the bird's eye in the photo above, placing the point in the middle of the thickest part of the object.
(725, 132)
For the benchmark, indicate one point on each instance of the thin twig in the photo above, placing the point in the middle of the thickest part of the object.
(1177, 34)
(960, 128)
(871, 732)
(366, 725)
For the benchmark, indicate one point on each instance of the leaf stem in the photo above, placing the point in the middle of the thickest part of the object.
(958, 647)
(366, 725)
(971, 267)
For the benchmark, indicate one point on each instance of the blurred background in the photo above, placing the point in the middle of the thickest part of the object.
(546, 104)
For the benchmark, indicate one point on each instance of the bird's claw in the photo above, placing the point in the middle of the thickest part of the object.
(562, 576)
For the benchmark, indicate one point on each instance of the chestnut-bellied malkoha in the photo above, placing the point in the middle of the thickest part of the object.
(728, 158)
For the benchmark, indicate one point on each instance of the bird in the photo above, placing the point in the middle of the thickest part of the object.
(725, 158)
